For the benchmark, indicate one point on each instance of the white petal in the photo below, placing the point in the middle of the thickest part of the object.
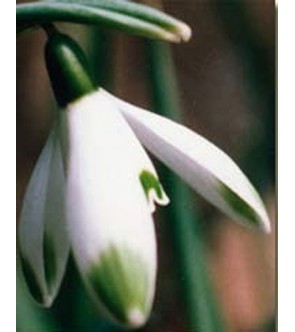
(109, 221)
(199, 162)
(43, 243)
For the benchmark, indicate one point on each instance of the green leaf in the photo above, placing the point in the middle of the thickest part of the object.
(139, 11)
(30, 14)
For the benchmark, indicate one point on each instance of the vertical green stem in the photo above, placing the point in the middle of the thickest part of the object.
(201, 308)
(257, 59)
(102, 56)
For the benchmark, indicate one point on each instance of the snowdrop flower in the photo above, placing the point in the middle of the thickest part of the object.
(95, 182)
(104, 200)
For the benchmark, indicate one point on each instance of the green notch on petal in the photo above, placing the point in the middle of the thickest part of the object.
(150, 182)
(31, 280)
(239, 206)
(49, 260)
(121, 282)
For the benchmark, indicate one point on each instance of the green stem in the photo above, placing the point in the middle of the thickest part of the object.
(102, 56)
(257, 60)
(184, 222)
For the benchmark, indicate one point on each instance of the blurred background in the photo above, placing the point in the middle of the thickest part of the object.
(226, 89)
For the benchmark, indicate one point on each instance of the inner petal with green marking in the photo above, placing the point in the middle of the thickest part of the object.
(153, 189)
(50, 261)
(121, 282)
(32, 280)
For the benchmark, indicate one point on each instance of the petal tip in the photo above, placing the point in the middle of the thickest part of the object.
(153, 189)
(136, 317)
(47, 301)
(120, 281)
(154, 198)
(266, 226)
(239, 207)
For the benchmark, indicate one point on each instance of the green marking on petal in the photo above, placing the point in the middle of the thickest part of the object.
(49, 260)
(149, 181)
(241, 207)
(121, 282)
(31, 280)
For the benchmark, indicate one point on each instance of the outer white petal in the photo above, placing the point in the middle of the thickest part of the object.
(109, 221)
(43, 242)
(200, 163)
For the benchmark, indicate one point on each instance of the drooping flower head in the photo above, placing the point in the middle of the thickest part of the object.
(108, 192)
(106, 189)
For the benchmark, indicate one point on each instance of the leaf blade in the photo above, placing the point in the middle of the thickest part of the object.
(139, 11)
(28, 15)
